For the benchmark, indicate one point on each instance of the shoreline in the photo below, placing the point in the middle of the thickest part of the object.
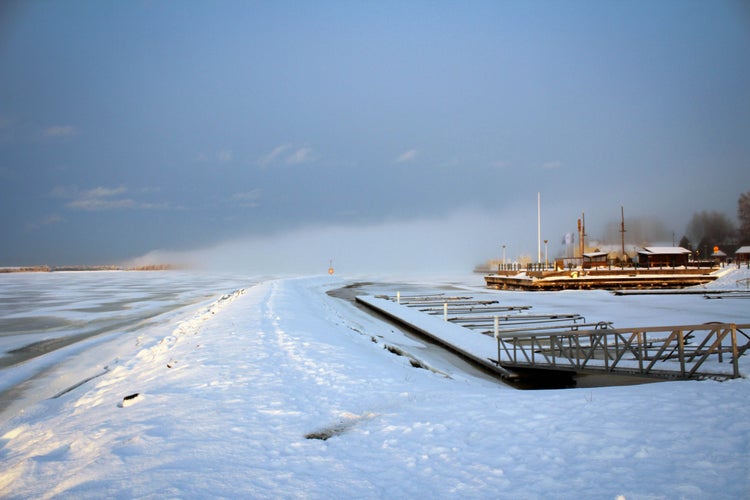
(53, 269)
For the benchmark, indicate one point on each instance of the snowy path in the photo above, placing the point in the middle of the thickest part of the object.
(227, 398)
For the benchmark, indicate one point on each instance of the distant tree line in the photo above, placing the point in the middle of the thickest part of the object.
(25, 269)
(709, 229)
(51, 269)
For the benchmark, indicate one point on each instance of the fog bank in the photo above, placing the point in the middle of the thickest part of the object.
(452, 244)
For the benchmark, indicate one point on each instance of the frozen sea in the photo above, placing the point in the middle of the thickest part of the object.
(187, 385)
(47, 317)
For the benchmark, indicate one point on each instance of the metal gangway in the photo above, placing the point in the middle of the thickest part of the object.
(703, 351)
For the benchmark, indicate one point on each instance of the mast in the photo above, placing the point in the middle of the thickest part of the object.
(583, 233)
(622, 233)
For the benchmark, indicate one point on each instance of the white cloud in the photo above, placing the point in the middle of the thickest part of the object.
(59, 131)
(248, 199)
(301, 155)
(52, 219)
(287, 154)
(49, 220)
(102, 192)
(95, 204)
(102, 198)
(407, 156)
(274, 155)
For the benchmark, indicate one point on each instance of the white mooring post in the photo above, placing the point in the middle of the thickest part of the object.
(445, 311)
(497, 337)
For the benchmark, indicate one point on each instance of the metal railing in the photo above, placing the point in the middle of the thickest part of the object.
(681, 352)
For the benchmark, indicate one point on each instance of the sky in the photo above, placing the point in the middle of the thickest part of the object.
(132, 129)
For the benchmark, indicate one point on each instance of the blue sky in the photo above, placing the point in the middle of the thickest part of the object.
(132, 127)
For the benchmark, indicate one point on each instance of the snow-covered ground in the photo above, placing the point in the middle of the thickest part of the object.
(235, 394)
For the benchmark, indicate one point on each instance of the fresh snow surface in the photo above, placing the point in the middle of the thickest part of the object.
(222, 402)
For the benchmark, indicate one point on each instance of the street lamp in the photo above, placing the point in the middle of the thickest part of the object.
(503, 257)
(545, 254)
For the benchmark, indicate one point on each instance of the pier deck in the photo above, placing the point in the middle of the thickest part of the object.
(477, 348)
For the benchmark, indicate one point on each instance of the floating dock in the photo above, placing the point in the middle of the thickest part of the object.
(531, 344)
(480, 350)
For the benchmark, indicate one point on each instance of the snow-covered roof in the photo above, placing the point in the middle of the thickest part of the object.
(718, 253)
(592, 255)
(745, 249)
(665, 250)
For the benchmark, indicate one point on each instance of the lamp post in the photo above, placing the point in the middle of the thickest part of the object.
(503, 257)
(545, 254)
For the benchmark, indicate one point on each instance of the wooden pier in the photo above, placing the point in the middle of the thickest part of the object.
(518, 343)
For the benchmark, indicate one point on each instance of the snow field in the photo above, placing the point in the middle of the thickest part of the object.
(279, 391)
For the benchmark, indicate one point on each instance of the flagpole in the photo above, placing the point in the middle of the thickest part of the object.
(539, 227)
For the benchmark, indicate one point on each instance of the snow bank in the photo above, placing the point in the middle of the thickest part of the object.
(280, 391)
